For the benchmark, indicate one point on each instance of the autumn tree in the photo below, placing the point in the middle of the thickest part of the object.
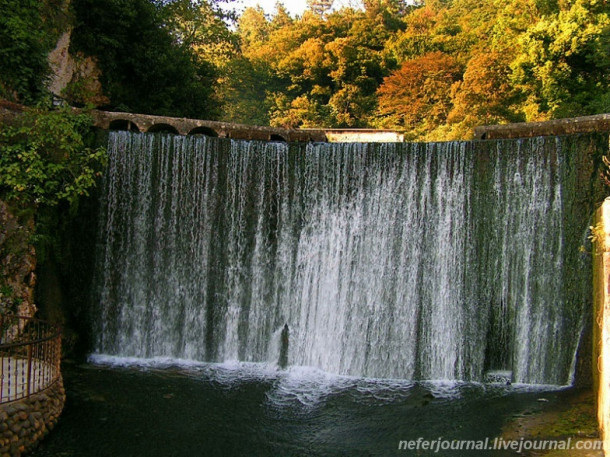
(297, 112)
(434, 68)
(418, 95)
(485, 95)
(418, 37)
(243, 87)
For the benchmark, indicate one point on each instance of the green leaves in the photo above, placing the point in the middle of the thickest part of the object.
(25, 40)
(44, 159)
(564, 60)
(146, 52)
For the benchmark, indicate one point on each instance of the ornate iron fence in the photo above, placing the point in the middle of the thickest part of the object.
(30, 355)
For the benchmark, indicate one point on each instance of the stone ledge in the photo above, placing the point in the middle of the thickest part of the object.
(584, 124)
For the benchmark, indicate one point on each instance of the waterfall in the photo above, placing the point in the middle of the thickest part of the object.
(415, 261)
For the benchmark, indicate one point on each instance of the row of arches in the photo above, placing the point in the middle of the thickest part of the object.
(124, 124)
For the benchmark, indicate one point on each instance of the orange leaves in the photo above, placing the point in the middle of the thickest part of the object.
(486, 94)
(420, 90)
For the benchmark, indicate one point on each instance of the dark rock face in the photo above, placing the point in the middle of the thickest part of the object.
(17, 264)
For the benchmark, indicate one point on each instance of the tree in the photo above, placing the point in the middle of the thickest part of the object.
(298, 112)
(202, 26)
(253, 29)
(486, 95)
(419, 36)
(350, 107)
(564, 62)
(243, 88)
(144, 68)
(305, 66)
(27, 34)
(281, 17)
(45, 160)
(418, 95)
(521, 59)
(331, 66)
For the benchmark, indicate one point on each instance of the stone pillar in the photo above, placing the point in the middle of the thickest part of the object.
(601, 313)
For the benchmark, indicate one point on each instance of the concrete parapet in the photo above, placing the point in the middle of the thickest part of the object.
(584, 124)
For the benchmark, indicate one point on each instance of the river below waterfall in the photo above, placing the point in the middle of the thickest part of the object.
(115, 408)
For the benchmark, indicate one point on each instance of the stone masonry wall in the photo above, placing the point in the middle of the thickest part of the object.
(23, 423)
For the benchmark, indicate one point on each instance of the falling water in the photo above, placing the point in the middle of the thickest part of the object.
(415, 261)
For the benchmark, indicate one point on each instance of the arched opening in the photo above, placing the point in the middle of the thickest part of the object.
(278, 138)
(207, 131)
(123, 124)
(163, 128)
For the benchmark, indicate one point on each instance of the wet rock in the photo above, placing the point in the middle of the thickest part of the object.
(17, 264)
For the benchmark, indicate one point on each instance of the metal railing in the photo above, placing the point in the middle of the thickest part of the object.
(30, 355)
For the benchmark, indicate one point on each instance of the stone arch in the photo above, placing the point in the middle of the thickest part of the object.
(123, 124)
(278, 138)
(163, 128)
(202, 130)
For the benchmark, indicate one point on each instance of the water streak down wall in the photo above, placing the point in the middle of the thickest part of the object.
(417, 261)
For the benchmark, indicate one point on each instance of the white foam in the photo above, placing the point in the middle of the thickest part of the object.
(309, 387)
(153, 362)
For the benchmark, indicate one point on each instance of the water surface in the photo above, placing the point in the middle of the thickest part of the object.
(160, 409)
